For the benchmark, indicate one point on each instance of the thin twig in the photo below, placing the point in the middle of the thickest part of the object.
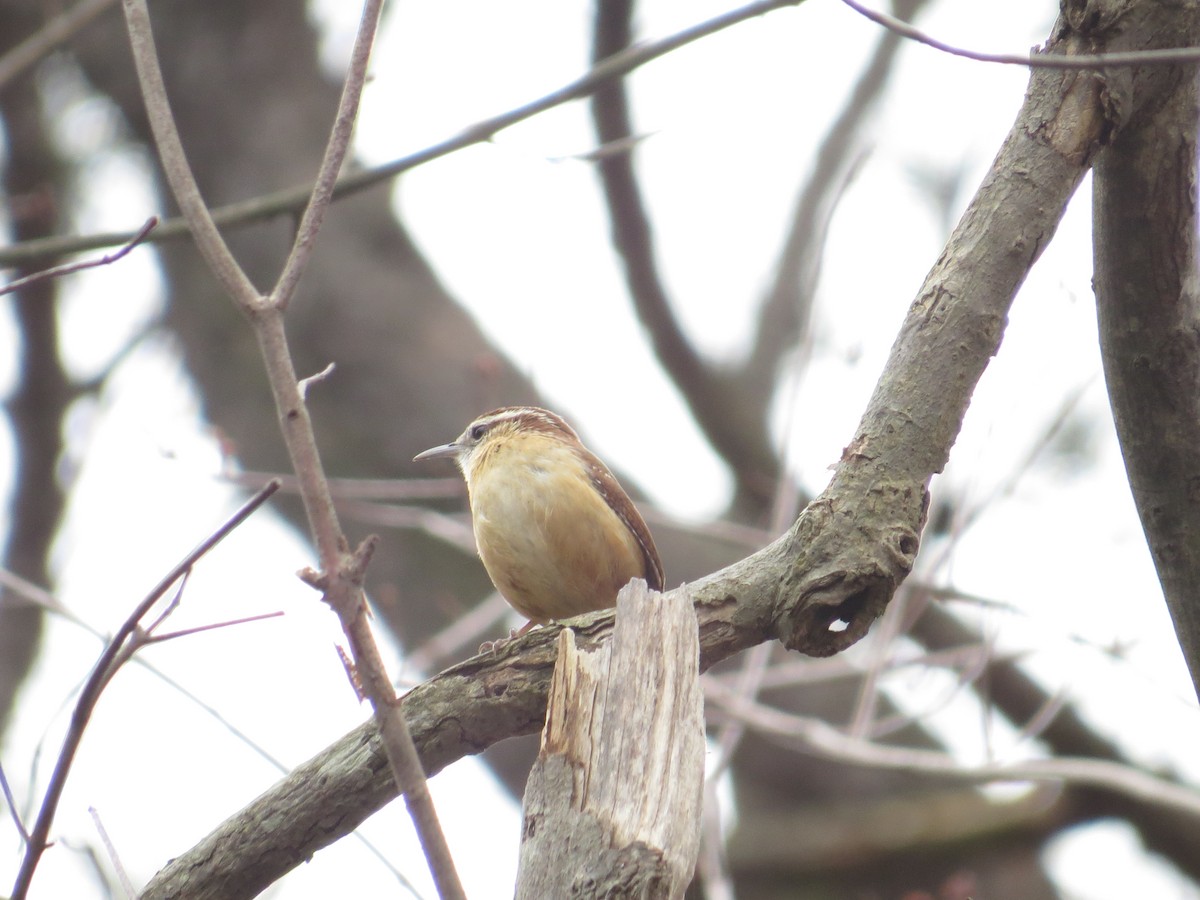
(54, 33)
(316, 378)
(452, 529)
(331, 163)
(100, 676)
(291, 200)
(11, 802)
(186, 632)
(113, 858)
(1032, 730)
(1165, 57)
(363, 488)
(821, 736)
(712, 866)
(68, 268)
(43, 598)
(141, 632)
(882, 641)
(784, 324)
(756, 662)
(341, 576)
(34, 595)
(967, 514)
(38, 596)
(974, 667)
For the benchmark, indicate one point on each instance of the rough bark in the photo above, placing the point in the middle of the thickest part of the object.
(1148, 302)
(820, 586)
(612, 806)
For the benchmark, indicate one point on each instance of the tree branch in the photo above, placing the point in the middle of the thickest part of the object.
(342, 571)
(1019, 697)
(818, 587)
(70, 268)
(118, 651)
(54, 33)
(1149, 315)
(290, 201)
(732, 424)
(1164, 56)
(784, 322)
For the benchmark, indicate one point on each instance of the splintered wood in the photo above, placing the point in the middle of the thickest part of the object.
(612, 806)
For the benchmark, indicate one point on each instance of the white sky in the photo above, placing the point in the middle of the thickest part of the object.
(519, 235)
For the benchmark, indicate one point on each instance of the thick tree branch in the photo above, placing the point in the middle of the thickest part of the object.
(818, 587)
(1149, 313)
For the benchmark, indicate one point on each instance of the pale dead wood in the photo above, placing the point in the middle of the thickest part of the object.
(612, 807)
(818, 588)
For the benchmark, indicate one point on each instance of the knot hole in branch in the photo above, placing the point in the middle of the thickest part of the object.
(837, 616)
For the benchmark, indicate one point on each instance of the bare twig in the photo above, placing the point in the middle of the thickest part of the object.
(309, 380)
(729, 421)
(32, 593)
(452, 529)
(757, 661)
(784, 326)
(364, 488)
(342, 572)
(353, 499)
(11, 802)
(712, 867)
(37, 596)
(111, 850)
(141, 633)
(43, 598)
(1054, 704)
(53, 34)
(68, 268)
(882, 640)
(1166, 57)
(827, 740)
(47, 601)
(186, 632)
(967, 514)
(174, 161)
(335, 153)
(291, 200)
(99, 678)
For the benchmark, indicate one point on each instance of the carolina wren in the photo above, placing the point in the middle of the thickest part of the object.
(556, 533)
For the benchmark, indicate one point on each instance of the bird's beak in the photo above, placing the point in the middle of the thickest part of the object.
(445, 451)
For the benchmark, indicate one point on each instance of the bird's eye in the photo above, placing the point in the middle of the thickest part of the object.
(478, 431)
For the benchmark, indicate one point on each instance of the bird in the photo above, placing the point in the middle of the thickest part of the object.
(555, 531)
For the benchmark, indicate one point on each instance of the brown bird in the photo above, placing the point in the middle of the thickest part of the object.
(556, 533)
